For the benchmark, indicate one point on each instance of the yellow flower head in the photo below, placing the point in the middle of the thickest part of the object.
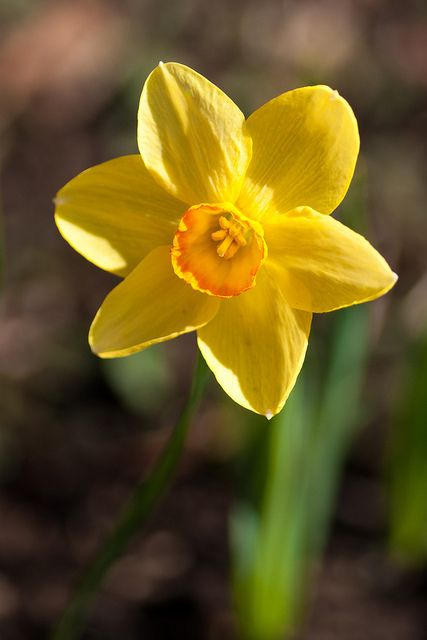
(222, 225)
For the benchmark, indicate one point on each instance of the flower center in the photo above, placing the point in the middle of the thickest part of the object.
(218, 250)
(230, 236)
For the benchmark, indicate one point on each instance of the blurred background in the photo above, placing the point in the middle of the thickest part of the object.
(311, 526)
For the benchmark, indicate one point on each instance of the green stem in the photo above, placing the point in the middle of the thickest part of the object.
(134, 515)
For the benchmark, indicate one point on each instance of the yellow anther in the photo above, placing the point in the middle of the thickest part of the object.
(231, 251)
(230, 236)
(225, 245)
(218, 235)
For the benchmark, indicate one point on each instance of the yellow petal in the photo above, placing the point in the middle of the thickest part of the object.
(115, 213)
(256, 345)
(192, 136)
(320, 264)
(305, 146)
(151, 305)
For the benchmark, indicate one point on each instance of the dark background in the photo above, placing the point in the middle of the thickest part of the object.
(75, 432)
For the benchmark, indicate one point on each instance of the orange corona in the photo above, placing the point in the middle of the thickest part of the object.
(217, 250)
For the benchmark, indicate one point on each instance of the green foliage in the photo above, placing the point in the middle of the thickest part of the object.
(135, 514)
(143, 381)
(289, 476)
(407, 464)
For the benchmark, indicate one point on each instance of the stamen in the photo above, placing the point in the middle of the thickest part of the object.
(231, 251)
(225, 246)
(230, 236)
(218, 235)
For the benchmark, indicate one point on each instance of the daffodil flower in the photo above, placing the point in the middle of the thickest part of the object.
(221, 225)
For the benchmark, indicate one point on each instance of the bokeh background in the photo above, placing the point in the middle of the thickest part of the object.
(76, 433)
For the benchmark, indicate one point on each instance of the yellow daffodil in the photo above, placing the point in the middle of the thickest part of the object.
(222, 225)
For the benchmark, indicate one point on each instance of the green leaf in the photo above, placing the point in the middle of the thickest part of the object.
(407, 463)
(278, 530)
